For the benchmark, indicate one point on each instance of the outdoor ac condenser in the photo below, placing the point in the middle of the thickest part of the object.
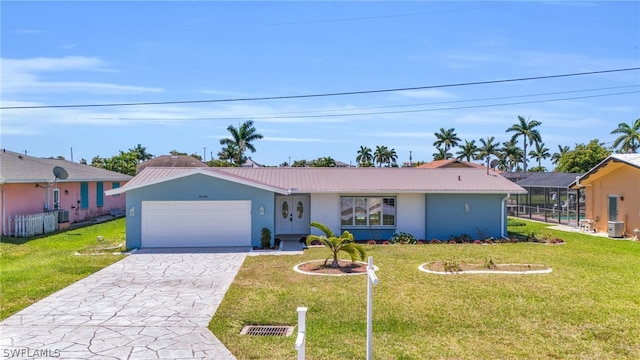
(616, 228)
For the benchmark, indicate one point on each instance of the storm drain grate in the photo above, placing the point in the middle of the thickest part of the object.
(267, 330)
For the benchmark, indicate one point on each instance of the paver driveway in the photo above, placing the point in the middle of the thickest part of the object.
(154, 304)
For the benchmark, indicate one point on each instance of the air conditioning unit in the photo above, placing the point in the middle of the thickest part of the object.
(616, 228)
(63, 216)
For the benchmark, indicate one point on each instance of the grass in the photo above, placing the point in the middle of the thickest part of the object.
(33, 268)
(588, 307)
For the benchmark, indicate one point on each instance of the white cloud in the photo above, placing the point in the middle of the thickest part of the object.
(22, 76)
(295, 139)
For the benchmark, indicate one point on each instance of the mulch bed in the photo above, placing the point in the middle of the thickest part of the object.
(439, 266)
(346, 267)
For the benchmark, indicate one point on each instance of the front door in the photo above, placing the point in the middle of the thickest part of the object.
(292, 214)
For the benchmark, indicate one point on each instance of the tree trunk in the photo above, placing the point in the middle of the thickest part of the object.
(335, 264)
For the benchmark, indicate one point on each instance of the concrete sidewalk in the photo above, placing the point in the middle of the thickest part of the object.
(154, 304)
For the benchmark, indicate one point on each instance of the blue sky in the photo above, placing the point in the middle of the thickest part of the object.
(60, 53)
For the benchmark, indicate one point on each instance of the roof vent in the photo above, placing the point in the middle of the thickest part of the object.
(267, 330)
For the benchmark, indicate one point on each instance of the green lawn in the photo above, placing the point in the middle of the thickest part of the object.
(587, 308)
(31, 269)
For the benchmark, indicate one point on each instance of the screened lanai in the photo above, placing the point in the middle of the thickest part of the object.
(548, 198)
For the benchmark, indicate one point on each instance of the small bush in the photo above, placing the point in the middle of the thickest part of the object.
(265, 238)
(451, 266)
(515, 222)
(489, 264)
(403, 238)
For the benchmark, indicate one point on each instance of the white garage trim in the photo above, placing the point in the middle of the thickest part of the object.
(196, 223)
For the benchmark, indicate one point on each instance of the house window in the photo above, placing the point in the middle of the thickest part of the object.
(367, 211)
(115, 185)
(84, 195)
(99, 194)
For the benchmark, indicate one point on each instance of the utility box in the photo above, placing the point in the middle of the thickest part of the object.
(616, 228)
(63, 216)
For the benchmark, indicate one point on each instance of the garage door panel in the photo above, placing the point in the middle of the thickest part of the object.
(196, 223)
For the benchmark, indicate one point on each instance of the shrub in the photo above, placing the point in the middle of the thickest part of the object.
(435, 241)
(403, 238)
(265, 238)
(489, 264)
(451, 266)
(371, 242)
(515, 222)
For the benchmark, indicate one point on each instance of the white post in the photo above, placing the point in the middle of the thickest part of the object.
(372, 280)
(302, 330)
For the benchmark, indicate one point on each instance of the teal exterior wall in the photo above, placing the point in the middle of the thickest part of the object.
(446, 215)
(200, 187)
(370, 234)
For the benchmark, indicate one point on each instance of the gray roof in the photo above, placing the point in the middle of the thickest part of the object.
(341, 180)
(548, 179)
(172, 161)
(20, 168)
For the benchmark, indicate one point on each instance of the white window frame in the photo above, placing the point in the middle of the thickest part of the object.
(368, 214)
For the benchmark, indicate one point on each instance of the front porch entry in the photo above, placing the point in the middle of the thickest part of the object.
(292, 221)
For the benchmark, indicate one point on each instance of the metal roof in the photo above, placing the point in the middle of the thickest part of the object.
(342, 180)
(20, 168)
(628, 159)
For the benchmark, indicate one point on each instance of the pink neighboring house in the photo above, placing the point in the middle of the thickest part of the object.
(28, 186)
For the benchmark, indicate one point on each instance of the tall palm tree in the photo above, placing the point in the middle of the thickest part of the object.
(630, 138)
(467, 151)
(510, 154)
(336, 244)
(446, 138)
(540, 153)
(381, 155)
(141, 153)
(487, 148)
(365, 157)
(529, 134)
(242, 138)
(562, 150)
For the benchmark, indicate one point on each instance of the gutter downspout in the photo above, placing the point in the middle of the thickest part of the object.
(503, 216)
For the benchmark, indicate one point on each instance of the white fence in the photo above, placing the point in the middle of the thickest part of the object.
(35, 224)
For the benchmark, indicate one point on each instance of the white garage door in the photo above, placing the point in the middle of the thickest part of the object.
(196, 223)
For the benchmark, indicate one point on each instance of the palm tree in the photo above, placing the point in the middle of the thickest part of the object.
(141, 153)
(228, 153)
(630, 138)
(467, 151)
(540, 153)
(241, 138)
(381, 155)
(529, 134)
(364, 158)
(488, 147)
(326, 161)
(335, 244)
(442, 154)
(392, 158)
(510, 154)
(562, 150)
(447, 138)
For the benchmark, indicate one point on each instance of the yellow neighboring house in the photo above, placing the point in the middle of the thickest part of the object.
(612, 194)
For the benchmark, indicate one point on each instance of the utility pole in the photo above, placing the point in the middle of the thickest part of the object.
(204, 154)
(410, 159)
